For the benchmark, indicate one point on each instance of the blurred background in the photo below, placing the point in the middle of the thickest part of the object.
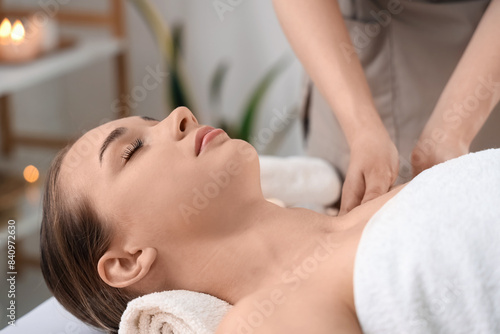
(78, 64)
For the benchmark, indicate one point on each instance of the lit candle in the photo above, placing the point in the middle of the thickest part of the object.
(15, 47)
(5, 30)
(18, 32)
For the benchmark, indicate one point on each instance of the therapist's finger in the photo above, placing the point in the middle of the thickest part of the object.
(379, 182)
(376, 184)
(352, 192)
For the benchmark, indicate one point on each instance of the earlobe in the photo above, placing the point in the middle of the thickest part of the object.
(120, 269)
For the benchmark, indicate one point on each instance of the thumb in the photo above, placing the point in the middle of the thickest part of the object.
(352, 192)
(375, 186)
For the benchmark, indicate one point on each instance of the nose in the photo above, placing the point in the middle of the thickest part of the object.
(182, 122)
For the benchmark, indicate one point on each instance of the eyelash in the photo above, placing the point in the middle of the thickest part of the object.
(131, 149)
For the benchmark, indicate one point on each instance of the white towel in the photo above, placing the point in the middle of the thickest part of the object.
(429, 259)
(173, 312)
(299, 180)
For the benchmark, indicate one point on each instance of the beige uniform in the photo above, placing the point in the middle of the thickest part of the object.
(408, 50)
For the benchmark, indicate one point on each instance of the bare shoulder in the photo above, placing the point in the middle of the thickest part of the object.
(275, 312)
(254, 314)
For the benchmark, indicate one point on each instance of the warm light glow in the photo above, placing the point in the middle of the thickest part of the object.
(18, 32)
(5, 28)
(31, 174)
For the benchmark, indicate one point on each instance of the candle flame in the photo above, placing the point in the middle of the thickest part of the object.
(5, 28)
(18, 32)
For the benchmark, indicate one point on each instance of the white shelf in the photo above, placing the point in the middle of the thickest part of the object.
(14, 78)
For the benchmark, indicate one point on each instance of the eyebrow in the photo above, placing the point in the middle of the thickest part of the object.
(147, 118)
(115, 134)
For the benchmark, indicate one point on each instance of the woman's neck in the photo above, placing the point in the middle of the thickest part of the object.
(273, 241)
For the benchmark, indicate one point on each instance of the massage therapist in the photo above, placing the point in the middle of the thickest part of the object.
(399, 85)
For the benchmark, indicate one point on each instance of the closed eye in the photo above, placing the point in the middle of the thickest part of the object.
(131, 149)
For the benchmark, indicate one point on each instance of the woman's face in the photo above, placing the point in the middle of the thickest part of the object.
(147, 180)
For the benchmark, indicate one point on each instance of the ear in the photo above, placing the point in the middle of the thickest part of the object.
(120, 269)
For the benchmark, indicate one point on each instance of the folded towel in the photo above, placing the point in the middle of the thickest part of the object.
(429, 260)
(175, 312)
(299, 180)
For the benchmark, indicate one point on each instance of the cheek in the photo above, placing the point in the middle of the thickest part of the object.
(224, 178)
(170, 196)
(157, 191)
(147, 209)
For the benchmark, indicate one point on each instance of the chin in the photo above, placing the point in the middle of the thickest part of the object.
(245, 154)
(237, 160)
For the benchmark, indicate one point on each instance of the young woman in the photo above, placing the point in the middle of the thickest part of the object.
(137, 206)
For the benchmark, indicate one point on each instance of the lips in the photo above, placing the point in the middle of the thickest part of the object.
(204, 136)
(202, 132)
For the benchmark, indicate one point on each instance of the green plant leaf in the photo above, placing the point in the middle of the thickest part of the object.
(216, 83)
(279, 136)
(157, 27)
(215, 96)
(256, 98)
(170, 44)
(178, 91)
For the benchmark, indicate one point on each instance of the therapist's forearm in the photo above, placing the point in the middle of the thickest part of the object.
(474, 87)
(317, 33)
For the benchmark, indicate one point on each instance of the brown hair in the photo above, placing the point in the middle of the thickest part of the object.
(72, 240)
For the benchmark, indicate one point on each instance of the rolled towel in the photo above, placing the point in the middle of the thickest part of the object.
(299, 180)
(176, 312)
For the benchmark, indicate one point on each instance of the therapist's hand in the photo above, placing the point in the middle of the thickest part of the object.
(373, 168)
(467, 100)
(433, 150)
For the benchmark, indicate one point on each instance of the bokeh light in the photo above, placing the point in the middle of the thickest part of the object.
(31, 174)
